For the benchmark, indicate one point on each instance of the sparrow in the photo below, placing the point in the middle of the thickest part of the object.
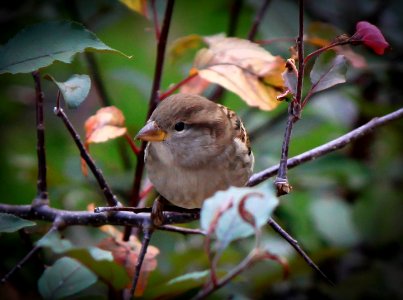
(195, 148)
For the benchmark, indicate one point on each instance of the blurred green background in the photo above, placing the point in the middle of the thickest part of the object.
(345, 209)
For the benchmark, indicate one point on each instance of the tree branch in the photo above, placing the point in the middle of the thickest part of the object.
(294, 110)
(148, 231)
(110, 197)
(328, 147)
(42, 193)
(87, 218)
(258, 19)
(34, 250)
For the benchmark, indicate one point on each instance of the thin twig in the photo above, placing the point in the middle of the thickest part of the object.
(172, 89)
(242, 266)
(182, 230)
(148, 231)
(235, 12)
(294, 243)
(42, 193)
(110, 197)
(136, 210)
(19, 265)
(275, 40)
(331, 146)
(258, 19)
(294, 110)
(131, 143)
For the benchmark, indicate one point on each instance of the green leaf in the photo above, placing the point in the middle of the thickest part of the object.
(55, 243)
(102, 264)
(97, 260)
(11, 223)
(75, 90)
(194, 276)
(66, 277)
(327, 73)
(231, 226)
(39, 45)
(333, 220)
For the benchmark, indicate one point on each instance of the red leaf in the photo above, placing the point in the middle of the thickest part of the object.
(370, 36)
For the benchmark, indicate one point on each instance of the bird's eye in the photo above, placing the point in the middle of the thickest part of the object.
(179, 126)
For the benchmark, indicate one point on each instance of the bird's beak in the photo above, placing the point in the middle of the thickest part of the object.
(151, 133)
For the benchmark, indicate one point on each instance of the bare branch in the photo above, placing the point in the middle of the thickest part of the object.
(42, 193)
(294, 110)
(86, 218)
(328, 147)
(258, 19)
(294, 243)
(110, 197)
(35, 249)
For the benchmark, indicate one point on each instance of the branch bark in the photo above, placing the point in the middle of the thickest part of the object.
(328, 147)
(42, 193)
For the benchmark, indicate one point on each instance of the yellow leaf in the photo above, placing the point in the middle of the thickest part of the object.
(139, 6)
(179, 46)
(244, 68)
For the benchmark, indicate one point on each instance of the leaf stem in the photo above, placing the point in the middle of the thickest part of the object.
(42, 193)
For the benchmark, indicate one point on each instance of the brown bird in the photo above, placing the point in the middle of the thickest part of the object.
(196, 147)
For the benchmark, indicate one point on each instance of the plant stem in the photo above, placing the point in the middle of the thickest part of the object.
(19, 265)
(177, 86)
(294, 110)
(42, 193)
(258, 19)
(294, 243)
(109, 196)
(143, 251)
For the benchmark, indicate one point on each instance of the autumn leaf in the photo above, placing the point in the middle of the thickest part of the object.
(323, 34)
(370, 36)
(181, 45)
(108, 123)
(242, 67)
(126, 254)
(138, 6)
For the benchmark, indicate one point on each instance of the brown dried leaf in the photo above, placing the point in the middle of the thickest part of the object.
(244, 68)
(108, 123)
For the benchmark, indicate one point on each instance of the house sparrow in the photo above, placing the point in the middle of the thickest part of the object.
(196, 147)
